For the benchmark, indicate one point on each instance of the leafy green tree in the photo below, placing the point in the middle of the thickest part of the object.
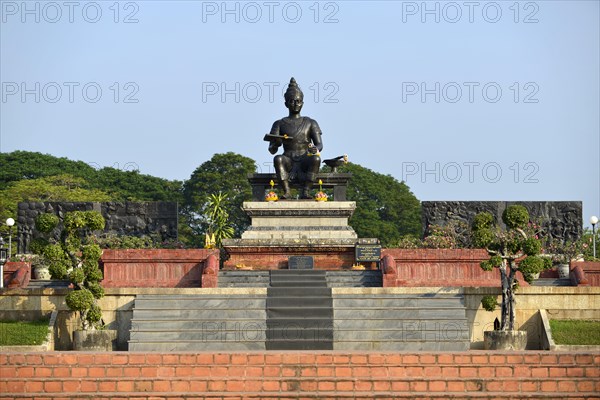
(76, 258)
(133, 186)
(385, 208)
(120, 185)
(505, 247)
(226, 173)
(21, 165)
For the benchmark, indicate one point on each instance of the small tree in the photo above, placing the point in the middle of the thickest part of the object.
(512, 250)
(77, 259)
(217, 218)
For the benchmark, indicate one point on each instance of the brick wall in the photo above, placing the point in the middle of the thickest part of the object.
(438, 267)
(591, 271)
(497, 375)
(154, 267)
(16, 274)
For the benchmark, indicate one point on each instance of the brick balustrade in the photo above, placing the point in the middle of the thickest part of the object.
(438, 267)
(155, 267)
(465, 375)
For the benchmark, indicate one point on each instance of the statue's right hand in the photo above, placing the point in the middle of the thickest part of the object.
(273, 147)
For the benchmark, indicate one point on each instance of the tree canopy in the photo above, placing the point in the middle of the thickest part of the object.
(118, 184)
(385, 208)
(226, 173)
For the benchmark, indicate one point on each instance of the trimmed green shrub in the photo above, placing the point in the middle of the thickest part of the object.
(46, 222)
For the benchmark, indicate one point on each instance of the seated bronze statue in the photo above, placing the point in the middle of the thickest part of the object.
(301, 139)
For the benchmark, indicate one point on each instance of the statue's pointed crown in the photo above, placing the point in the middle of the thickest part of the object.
(292, 89)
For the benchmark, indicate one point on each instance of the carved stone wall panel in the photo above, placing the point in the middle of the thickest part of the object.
(559, 219)
(122, 218)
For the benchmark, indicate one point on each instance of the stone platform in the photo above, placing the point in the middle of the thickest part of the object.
(304, 219)
(295, 228)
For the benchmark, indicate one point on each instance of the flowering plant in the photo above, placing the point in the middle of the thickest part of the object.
(564, 252)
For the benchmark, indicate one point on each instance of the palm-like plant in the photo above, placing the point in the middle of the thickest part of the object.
(219, 226)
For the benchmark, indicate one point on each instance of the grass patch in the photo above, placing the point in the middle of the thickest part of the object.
(575, 332)
(23, 333)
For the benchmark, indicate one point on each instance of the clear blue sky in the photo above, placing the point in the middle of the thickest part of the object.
(461, 100)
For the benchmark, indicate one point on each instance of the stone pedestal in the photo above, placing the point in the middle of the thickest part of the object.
(505, 340)
(292, 220)
(295, 228)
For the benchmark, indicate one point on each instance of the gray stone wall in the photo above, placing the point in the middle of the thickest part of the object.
(122, 218)
(559, 219)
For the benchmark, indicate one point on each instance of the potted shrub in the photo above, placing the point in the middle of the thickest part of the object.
(75, 257)
(513, 250)
(562, 253)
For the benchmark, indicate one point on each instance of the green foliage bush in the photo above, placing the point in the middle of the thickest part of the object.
(80, 300)
(515, 216)
(76, 255)
(37, 245)
(46, 222)
(513, 250)
(409, 242)
(532, 246)
(483, 220)
(489, 303)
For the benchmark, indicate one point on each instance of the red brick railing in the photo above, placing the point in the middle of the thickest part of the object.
(585, 273)
(16, 274)
(437, 267)
(476, 375)
(155, 267)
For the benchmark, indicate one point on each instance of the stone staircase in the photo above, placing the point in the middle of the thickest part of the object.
(242, 279)
(299, 311)
(223, 319)
(380, 320)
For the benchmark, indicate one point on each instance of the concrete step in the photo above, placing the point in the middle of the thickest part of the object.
(354, 278)
(244, 279)
(552, 282)
(205, 303)
(309, 302)
(294, 333)
(398, 346)
(299, 291)
(47, 284)
(192, 346)
(274, 344)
